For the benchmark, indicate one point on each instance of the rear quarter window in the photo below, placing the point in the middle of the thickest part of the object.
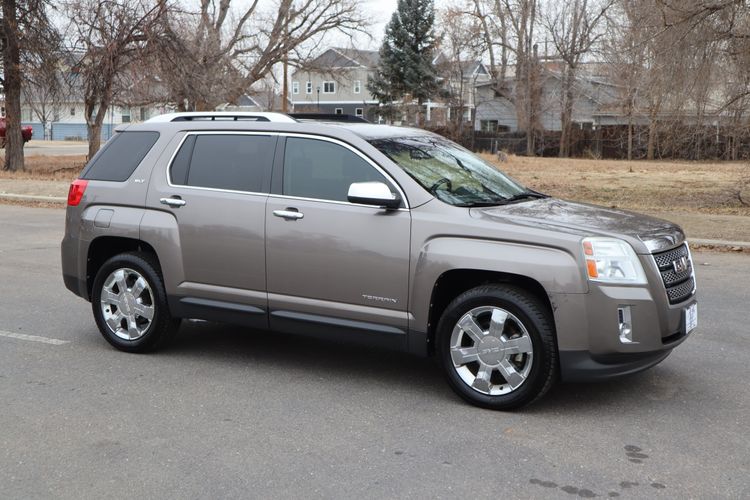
(119, 158)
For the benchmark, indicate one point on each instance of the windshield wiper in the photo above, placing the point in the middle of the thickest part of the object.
(504, 201)
(524, 195)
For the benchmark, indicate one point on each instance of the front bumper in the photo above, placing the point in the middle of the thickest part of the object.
(583, 366)
(591, 348)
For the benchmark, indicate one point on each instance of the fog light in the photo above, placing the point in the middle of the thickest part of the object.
(625, 324)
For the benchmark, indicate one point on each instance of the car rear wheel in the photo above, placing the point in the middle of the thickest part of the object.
(130, 304)
(497, 348)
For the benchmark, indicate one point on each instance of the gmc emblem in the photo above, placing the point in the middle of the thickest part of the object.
(680, 265)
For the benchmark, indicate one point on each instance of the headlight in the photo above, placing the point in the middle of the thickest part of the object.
(610, 260)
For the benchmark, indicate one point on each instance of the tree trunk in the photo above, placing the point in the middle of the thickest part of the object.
(566, 115)
(630, 139)
(651, 139)
(95, 137)
(12, 88)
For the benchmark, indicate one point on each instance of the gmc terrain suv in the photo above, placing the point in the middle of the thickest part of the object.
(385, 235)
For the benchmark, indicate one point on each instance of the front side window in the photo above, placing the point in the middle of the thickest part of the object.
(234, 162)
(308, 88)
(329, 87)
(357, 87)
(451, 173)
(323, 170)
(295, 87)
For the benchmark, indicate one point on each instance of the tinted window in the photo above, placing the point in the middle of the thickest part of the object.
(120, 156)
(179, 170)
(233, 161)
(323, 170)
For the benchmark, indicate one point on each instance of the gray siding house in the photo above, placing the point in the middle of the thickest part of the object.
(336, 82)
(595, 100)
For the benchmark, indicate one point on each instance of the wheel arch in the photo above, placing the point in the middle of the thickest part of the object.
(103, 248)
(454, 282)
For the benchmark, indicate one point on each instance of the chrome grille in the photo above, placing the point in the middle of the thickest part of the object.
(679, 284)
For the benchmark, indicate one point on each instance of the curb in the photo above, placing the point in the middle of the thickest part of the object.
(28, 197)
(737, 246)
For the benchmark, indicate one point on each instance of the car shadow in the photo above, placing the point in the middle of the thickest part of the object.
(328, 360)
(319, 358)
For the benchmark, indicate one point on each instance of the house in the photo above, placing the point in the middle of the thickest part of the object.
(459, 81)
(245, 103)
(65, 119)
(496, 111)
(56, 110)
(335, 82)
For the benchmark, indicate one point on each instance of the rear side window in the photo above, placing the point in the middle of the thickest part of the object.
(120, 156)
(235, 162)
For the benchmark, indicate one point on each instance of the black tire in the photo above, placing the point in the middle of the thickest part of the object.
(525, 309)
(162, 326)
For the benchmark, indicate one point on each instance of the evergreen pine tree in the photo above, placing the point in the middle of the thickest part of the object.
(405, 67)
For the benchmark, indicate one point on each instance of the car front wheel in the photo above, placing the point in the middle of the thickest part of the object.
(497, 348)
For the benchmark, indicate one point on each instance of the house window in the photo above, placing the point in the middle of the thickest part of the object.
(308, 88)
(357, 87)
(125, 117)
(329, 87)
(72, 111)
(488, 125)
(359, 112)
(339, 111)
(295, 87)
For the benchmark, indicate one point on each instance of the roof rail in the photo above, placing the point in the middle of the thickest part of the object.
(328, 117)
(221, 116)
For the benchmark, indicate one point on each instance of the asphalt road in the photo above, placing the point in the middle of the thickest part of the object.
(232, 413)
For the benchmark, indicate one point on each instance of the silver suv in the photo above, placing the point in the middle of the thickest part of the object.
(390, 236)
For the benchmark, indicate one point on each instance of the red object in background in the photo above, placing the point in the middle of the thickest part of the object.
(26, 131)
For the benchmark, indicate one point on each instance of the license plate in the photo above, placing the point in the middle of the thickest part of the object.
(691, 318)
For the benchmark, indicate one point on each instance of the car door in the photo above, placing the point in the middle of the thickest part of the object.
(334, 267)
(216, 188)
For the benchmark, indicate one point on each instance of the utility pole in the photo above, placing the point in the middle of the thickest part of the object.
(285, 87)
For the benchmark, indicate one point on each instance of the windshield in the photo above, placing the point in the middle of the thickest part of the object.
(451, 173)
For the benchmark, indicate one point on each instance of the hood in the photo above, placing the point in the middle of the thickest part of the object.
(646, 234)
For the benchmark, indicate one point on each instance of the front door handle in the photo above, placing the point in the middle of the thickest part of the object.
(173, 202)
(289, 214)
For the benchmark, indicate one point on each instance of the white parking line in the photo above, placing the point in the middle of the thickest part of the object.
(32, 338)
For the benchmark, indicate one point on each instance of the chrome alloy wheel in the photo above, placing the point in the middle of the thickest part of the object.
(491, 350)
(127, 304)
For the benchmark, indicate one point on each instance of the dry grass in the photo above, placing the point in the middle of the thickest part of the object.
(656, 186)
(48, 168)
(700, 196)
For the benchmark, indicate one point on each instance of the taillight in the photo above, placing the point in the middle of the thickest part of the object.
(75, 194)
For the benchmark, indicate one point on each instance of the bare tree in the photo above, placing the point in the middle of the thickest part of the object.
(517, 25)
(12, 86)
(26, 33)
(461, 46)
(211, 57)
(575, 27)
(109, 35)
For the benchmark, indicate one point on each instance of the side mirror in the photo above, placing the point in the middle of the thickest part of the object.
(373, 193)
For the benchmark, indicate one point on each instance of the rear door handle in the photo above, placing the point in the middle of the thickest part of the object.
(173, 202)
(289, 214)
